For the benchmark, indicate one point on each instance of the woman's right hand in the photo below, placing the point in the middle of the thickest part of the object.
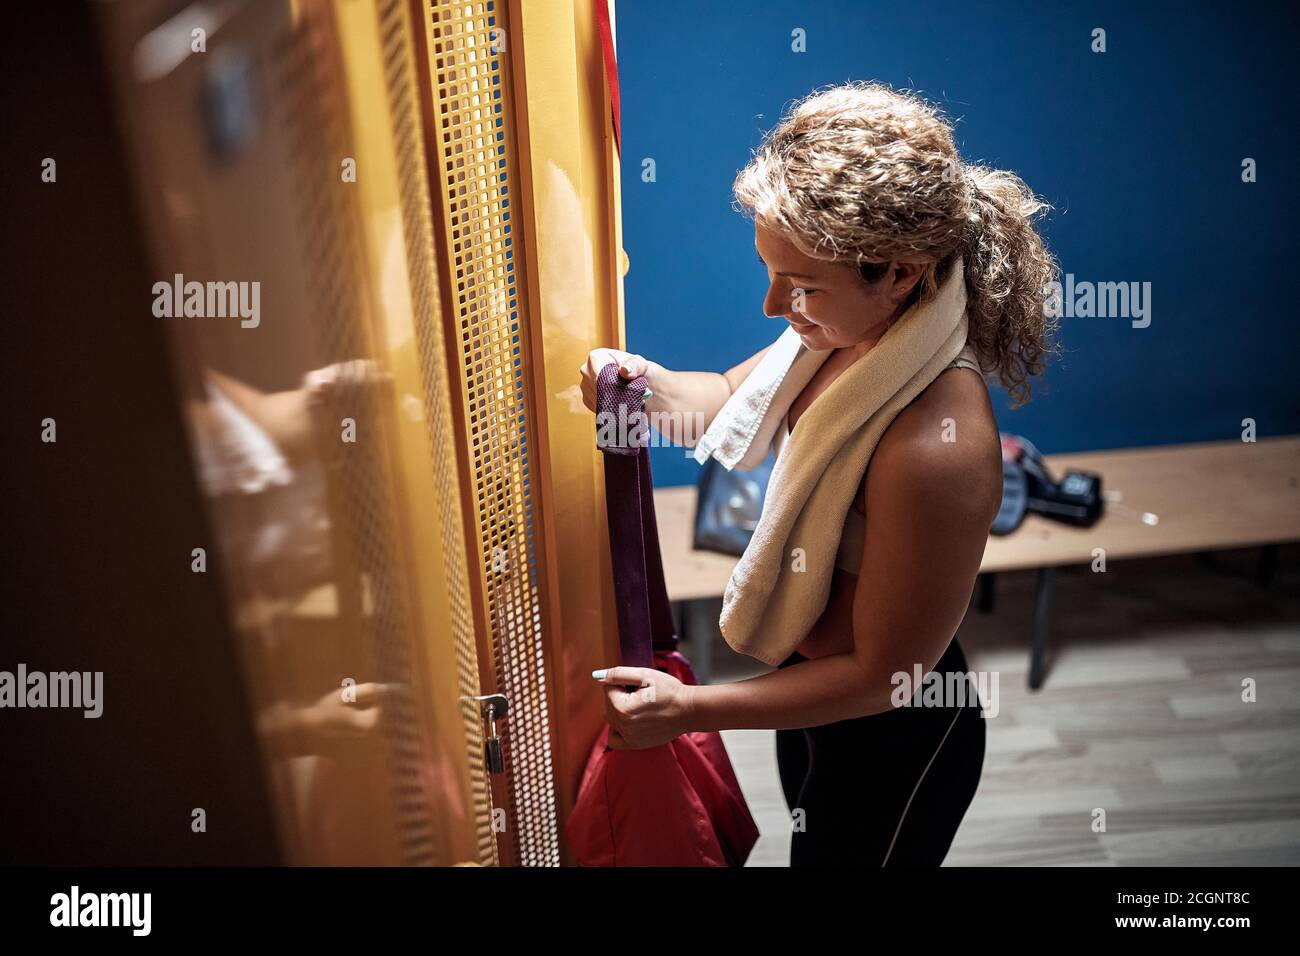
(631, 366)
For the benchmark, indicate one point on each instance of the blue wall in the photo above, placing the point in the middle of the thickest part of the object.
(1139, 149)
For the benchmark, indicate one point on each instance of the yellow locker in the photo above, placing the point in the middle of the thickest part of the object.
(425, 194)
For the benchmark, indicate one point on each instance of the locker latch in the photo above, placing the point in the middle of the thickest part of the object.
(492, 707)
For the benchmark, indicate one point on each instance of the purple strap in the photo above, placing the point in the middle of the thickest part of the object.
(645, 620)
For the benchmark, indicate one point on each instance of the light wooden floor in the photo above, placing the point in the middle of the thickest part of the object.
(1141, 715)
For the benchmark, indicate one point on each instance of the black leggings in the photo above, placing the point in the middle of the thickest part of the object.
(888, 789)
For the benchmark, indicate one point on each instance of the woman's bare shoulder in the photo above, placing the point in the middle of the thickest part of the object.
(946, 438)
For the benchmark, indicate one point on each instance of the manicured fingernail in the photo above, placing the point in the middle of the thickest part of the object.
(600, 675)
(625, 370)
(648, 393)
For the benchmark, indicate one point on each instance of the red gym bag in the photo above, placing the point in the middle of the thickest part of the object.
(677, 804)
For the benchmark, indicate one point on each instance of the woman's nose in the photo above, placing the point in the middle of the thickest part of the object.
(777, 304)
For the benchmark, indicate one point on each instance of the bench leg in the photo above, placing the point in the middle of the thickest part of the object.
(1267, 565)
(987, 592)
(700, 625)
(1038, 641)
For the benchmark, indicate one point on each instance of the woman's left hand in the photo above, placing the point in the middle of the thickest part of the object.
(645, 707)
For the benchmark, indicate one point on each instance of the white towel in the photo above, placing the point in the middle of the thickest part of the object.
(741, 434)
(768, 607)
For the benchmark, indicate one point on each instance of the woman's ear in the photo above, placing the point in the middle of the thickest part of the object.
(904, 276)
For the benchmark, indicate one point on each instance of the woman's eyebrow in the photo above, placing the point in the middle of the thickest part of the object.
(791, 275)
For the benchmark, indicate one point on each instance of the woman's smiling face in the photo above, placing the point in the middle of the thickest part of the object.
(829, 304)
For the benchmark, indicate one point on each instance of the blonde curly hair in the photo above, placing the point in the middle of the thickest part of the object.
(865, 174)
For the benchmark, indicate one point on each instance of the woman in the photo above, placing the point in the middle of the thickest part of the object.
(861, 204)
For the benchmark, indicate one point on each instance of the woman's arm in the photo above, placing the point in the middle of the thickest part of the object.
(680, 395)
(292, 418)
(681, 405)
(931, 505)
(284, 416)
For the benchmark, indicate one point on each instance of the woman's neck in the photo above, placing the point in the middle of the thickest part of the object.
(868, 341)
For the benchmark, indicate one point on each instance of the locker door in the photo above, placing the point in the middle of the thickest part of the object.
(341, 548)
(524, 178)
(425, 194)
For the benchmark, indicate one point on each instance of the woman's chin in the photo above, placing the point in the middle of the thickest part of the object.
(810, 335)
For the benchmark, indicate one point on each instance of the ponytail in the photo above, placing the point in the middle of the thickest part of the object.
(1008, 271)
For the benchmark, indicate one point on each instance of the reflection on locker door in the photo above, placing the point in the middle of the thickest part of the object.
(386, 453)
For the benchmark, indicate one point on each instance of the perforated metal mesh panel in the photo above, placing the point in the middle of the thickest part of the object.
(418, 228)
(423, 573)
(472, 141)
(310, 98)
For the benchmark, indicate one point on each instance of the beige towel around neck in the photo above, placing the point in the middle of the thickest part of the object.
(769, 607)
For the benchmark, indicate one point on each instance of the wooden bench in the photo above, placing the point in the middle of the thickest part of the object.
(1204, 497)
